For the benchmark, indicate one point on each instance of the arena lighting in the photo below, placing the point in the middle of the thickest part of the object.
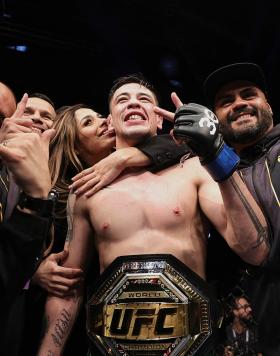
(18, 48)
(170, 67)
(176, 83)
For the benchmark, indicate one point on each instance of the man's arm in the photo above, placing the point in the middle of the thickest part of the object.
(61, 313)
(239, 219)
(157, 152)
(60, 316)
(235, 214)
(24, 232)
(21, 241)
(162, 151)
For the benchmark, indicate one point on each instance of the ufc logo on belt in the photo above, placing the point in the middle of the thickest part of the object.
(146, 321)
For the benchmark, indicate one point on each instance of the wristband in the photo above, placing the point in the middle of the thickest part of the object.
(223, 165)
(43, 207)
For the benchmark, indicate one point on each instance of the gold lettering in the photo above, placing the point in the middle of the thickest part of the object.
(146, 321)
(144, 294)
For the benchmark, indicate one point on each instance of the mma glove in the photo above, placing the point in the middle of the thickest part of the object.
(199, 128)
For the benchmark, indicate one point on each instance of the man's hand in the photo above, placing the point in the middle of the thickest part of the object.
(55, 279)
(199, 128)
(168, 115)
(16, 123)
(26, 156)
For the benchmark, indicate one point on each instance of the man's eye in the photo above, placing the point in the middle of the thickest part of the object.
(145, 99)
(225, 102)
(121, 100)
(249, 96)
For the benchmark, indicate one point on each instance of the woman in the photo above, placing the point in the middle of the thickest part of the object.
(82, 139)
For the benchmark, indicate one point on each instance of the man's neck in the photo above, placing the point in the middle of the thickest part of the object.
(124, 144)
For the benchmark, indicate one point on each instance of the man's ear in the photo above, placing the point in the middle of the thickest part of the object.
(269, 107)
(159, 122)
(110, 121)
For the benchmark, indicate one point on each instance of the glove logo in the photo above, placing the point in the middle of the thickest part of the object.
(210, 120)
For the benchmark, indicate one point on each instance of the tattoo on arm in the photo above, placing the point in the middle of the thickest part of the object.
(262, 231)
(60, 328)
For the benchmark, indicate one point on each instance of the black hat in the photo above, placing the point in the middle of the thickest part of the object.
(238, 71)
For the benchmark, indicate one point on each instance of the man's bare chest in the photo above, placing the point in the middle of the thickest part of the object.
(144, 199)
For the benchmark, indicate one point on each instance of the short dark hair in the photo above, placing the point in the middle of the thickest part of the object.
(43, 97)
(132, 78)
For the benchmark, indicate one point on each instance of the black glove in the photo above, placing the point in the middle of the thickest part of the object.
(199, 127)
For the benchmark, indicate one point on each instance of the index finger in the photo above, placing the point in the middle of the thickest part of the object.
(21, 107)
(168, 115)
(176, 100)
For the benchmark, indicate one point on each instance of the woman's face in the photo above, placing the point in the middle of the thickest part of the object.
(95, 139)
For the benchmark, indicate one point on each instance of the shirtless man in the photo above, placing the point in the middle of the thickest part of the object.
(144, 213)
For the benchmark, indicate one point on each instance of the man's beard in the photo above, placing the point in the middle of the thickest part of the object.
(251, 132)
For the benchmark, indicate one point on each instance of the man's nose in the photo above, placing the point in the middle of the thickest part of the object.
(37, 120)
(239, 103)
(133, 102)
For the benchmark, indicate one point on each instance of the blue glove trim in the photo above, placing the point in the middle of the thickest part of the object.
(223, 165)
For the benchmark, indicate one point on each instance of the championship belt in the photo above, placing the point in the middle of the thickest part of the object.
(151, 305)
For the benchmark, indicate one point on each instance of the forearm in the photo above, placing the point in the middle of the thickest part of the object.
(132, 157)
(247, 230)
(60, 315)
(162, 151)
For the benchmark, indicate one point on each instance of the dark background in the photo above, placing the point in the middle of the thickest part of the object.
(75, 49)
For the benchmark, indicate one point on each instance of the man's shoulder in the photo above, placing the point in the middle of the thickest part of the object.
(190, 168)
(193, 164)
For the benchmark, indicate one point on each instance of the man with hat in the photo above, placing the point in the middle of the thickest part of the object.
(237, 93)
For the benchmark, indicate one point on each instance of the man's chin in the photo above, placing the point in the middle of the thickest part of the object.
(137, 132)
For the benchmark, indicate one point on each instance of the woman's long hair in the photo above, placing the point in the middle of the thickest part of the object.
(64, 162)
